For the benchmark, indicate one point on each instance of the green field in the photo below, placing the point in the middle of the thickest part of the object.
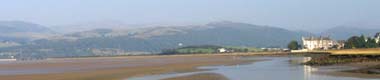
(364, 51)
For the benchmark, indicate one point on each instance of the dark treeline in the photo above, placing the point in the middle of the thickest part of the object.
(208, 49)
(192, 50)
(362, 42)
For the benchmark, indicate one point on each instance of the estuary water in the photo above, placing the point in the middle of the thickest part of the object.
(273, 68)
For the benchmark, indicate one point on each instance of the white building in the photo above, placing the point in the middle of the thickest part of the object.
(222, 50)
(377, 37)
(313, 43)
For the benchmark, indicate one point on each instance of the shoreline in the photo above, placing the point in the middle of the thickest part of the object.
(214, 54)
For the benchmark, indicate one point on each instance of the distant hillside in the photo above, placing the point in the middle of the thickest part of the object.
(220, 33)
(343, 33)
(80, 27)
(22, 31)
(19, 26)
(117, 42)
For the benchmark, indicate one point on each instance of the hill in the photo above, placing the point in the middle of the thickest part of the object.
(220, 33)
(22, 31)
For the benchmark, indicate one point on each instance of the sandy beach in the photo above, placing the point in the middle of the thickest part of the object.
(122, 68)
(112, 68)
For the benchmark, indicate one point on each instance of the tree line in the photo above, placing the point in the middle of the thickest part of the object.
(351, 43)
(362, 42)
(208, 49)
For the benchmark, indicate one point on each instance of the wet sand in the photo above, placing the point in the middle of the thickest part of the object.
(111, 68)
(202, 76)
(359, 70)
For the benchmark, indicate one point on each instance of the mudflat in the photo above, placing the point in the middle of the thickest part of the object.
(202, 76)
(110, 68)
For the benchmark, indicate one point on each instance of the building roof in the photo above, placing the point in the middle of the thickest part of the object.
(317, 38)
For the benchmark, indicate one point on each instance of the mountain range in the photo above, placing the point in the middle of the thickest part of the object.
(99, 42)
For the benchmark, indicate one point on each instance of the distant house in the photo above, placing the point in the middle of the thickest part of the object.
(321, 43)
(222, 50)
(8, 44)
(275, 49)
(7, 58)
(340, 44)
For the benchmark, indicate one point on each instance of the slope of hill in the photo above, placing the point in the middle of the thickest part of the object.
(19, 26)
(23, 32)
(20, 31)
(343, 33)
(80, 27)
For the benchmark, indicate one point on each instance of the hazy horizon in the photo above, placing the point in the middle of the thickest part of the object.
(310, 15)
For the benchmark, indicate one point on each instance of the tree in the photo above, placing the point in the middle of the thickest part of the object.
(360, 42)
(293, 45)
(371, 43)
(352, 42)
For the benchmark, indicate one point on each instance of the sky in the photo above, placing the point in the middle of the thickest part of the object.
(310, 15)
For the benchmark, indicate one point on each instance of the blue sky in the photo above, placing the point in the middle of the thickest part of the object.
(291, 14)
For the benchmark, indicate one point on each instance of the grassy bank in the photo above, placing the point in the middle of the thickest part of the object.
(346, 56)
(364, 51)
(342, 59)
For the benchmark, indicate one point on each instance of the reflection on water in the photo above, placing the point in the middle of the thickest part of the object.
(308, 70)
(306, 59)
(277, 68)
